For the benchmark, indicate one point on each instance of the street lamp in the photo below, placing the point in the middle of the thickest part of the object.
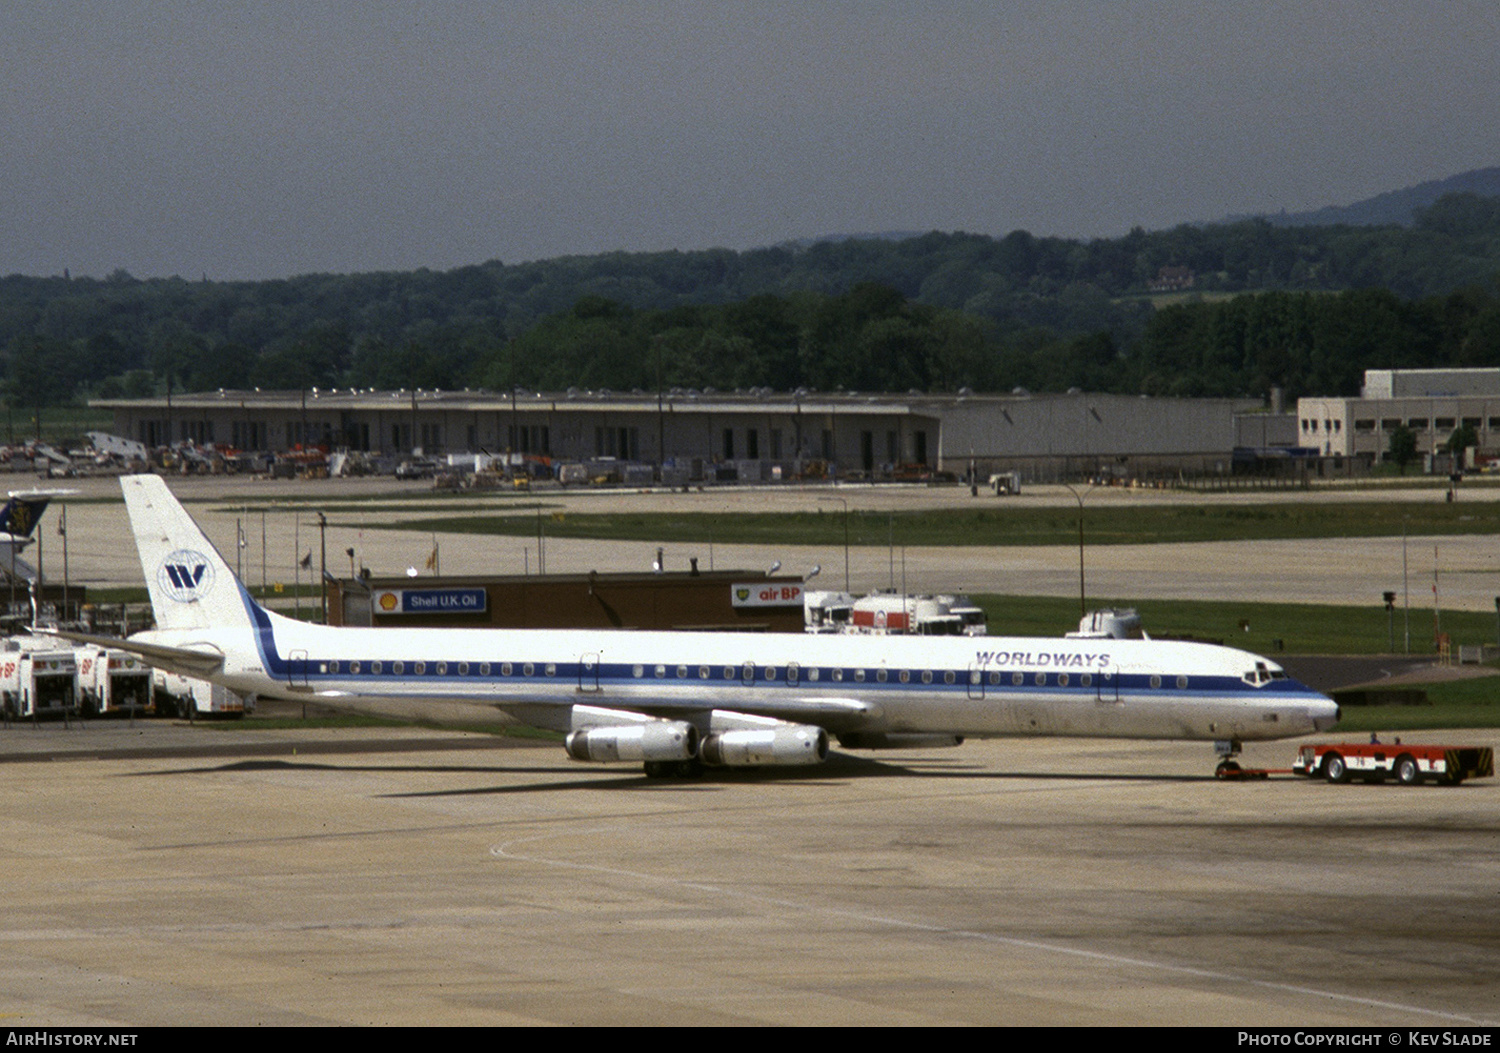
(1083, 609)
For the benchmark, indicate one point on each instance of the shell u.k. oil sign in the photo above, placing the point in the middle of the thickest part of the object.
(431, 601)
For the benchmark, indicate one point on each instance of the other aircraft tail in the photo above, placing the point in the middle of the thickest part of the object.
(191, 585)
(19, 516)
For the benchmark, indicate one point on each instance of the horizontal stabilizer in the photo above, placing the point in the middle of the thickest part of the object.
(188, 662)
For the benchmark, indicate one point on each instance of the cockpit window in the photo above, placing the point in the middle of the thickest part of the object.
(1262, 674)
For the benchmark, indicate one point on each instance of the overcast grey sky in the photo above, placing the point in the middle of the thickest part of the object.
(254, 140)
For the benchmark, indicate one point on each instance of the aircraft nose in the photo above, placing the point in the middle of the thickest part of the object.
(1324, 716)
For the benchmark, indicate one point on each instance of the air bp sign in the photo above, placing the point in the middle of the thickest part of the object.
(766, 594)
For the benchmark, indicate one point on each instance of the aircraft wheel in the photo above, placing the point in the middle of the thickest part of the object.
(1334, 768)
(1407, 771)
(656, 769)
(1227, 769)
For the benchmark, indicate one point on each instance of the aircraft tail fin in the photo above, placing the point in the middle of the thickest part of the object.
(20, 514)
(191, 585)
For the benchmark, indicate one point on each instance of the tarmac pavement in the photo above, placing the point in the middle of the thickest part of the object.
(356, 877)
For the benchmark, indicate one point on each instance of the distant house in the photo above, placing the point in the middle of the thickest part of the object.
(1173, 279)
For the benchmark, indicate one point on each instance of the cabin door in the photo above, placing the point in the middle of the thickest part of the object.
(296, 668)
(976, 681)
(588, 673)
(1108, 683)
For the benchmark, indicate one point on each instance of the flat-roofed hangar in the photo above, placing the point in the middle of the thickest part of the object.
(765, 435)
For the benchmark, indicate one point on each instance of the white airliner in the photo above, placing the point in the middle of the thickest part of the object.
(676, 701)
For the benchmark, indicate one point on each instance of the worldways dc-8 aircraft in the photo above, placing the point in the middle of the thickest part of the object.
(677, 701)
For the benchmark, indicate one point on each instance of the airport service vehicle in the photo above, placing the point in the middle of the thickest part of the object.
(1003, 483)
(892, 614)
(826, 612)
(113, 681)
(1407, 763)
(1110, 623)
(38, 677)
(188, 697)
(886, 613)
(675, 701)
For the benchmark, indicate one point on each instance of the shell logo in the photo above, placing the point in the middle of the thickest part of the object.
(388, 601)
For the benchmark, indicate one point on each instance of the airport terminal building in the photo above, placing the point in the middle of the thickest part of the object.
(764, 435)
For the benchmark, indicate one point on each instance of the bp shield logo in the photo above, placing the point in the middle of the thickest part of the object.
(185, 576)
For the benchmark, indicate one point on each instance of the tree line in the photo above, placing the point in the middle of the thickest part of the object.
(1306, 308)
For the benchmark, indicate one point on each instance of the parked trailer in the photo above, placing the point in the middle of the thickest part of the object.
(1408, 764)
(37, 678)
(112, 681)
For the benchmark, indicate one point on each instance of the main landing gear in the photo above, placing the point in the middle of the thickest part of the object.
(686, 769)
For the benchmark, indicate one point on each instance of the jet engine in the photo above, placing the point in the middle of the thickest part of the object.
(656, 740)
(783, 744)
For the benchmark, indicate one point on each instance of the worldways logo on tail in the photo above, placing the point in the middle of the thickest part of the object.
(186, 576)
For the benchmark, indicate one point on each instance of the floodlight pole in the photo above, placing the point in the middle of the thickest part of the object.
(845, 503)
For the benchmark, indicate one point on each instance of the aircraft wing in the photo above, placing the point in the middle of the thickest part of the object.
(188, 662)
(834, 714)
